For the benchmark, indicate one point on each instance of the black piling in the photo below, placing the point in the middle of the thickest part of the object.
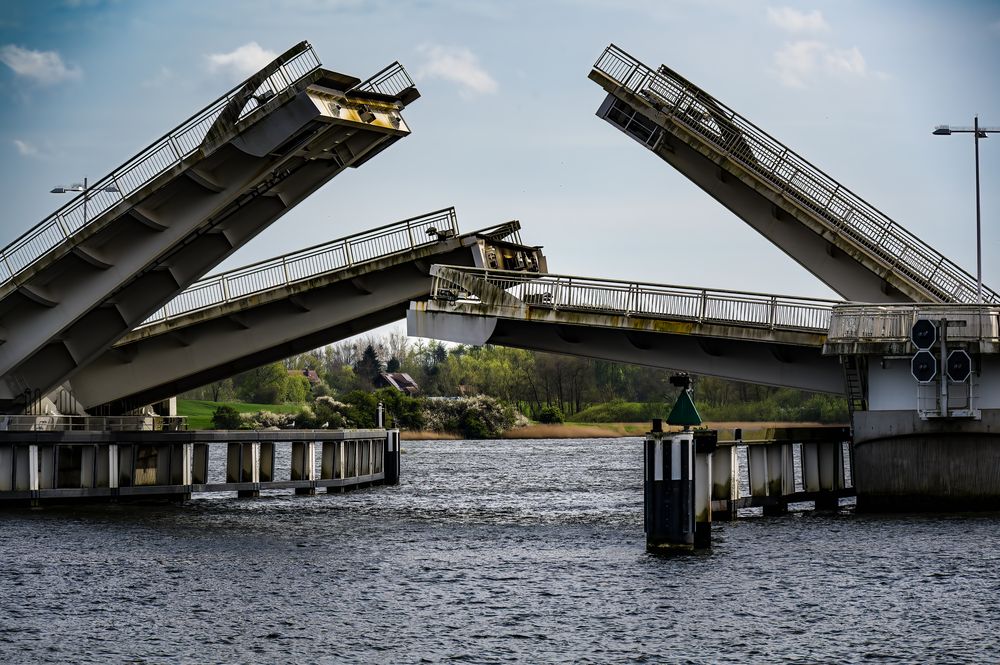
(669, 491)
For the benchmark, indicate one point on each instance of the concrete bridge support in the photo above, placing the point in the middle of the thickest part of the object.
(925, 410)
(823, 472)
(304, 465)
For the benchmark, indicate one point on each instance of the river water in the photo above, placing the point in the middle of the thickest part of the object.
(505, 551)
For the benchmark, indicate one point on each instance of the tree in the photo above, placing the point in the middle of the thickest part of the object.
(263, 385)
(369, 366)
(393, 365)
(226, 417)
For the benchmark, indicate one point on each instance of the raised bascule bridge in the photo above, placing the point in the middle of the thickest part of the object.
(101, 265)
(105, 307)
(273, 309)
(911, 348)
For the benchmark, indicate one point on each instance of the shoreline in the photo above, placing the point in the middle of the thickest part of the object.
(605, 430)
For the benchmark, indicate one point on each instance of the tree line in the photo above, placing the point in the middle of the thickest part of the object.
(544, 386)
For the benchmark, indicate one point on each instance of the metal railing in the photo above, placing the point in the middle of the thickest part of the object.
(402, 236)
(390, 81)
(893, 323)
(163, 154)
(58, 423)
(793, 176)
(662, 301)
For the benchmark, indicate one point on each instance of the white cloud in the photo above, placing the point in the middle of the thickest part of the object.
(799, 63)
(458, 65)
(44, 67)
(241, 62)
(25, 149)
(848, 62)
(793, 20)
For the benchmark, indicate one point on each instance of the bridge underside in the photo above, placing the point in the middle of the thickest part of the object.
(776, 218)
(687, 349)
(843, 240)
(162, 359)
(73, 303)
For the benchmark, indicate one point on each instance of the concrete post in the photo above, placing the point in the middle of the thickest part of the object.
(328, 464)
(757, 470)
(705, 445)
(725, 481)
(266, 466)
(199, 465)
(251, 469)
(88, 466)
(6, 468)
(391, 458)
(46, 467)
(669, 491)
(113, 473)
(780, 476)
(304, 465)
(830, 473)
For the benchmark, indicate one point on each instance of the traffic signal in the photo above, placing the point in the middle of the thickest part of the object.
(959, 366)
(923, 334)
(923, 366)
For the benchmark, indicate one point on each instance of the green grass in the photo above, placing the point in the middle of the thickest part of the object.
(199, 412)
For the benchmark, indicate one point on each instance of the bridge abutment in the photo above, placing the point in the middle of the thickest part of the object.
(924, 387)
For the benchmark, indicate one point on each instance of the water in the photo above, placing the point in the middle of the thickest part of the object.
(526, 551)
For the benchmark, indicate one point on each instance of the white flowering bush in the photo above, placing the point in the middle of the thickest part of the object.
(478, 417)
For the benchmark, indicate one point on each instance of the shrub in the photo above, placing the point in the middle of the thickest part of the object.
(267, 420)
(226, 417)
(330, 413)
(305, 418)
(479, 417)
(550, 415)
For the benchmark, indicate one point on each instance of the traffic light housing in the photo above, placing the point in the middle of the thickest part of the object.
(923, 366)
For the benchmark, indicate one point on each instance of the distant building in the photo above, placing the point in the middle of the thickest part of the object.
(402, 382)
(308, 373)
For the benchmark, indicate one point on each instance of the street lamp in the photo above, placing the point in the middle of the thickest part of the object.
(87, 193)
(979, 133)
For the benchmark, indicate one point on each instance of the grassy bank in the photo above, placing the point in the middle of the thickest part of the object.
(199, 412)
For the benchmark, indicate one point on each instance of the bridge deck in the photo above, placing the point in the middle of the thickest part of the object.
(745, 336)
(845, 241)
(272, 309)
(99, 266)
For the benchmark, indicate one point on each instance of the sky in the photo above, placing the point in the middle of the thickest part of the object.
(506, 126)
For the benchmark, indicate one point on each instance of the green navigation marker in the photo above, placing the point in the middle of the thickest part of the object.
(684, 413)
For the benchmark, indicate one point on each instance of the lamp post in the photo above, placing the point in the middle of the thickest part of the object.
(978, 133)
(87, 192)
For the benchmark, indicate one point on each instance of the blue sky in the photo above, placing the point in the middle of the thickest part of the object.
(506, 128)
